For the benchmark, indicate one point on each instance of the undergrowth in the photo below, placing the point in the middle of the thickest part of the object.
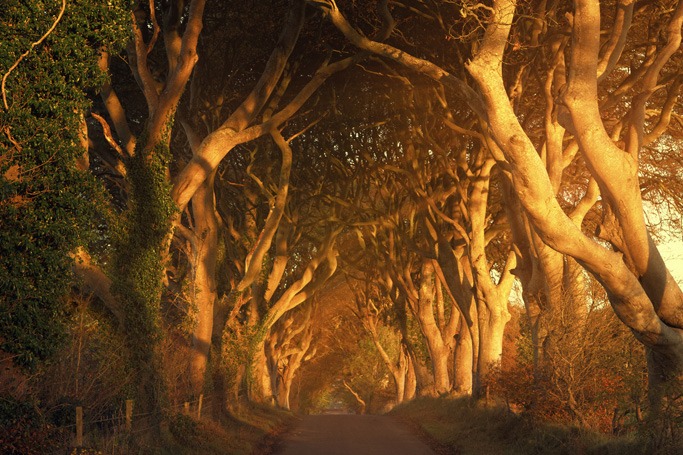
(456, 426)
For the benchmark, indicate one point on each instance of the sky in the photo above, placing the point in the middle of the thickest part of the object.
(672, 252)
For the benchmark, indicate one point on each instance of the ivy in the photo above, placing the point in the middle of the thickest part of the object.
(47, 206)
(141, 243)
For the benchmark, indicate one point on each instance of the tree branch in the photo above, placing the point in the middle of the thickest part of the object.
(33, 45)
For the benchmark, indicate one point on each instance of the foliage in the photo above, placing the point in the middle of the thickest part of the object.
(23, 430)
(237, 341)
(140, 244)
(47, 206)
(366, 373)
(138, 266)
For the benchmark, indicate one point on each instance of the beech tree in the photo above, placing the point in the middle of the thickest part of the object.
(165, 202)
(374, 309)
(640, 288)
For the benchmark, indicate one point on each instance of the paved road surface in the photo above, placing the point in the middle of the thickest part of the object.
(352, 435)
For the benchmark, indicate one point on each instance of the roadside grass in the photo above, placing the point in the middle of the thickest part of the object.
(455, 426)
(252, 430)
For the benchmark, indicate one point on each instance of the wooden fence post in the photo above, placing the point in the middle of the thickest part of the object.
(129, 415)
(79, 426)
(199, 406)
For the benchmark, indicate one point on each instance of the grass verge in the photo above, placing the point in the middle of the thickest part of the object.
(252, 430)
(457, 427)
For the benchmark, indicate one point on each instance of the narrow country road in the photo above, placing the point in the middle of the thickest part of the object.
(351, 435)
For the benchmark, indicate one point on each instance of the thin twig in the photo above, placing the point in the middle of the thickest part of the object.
(42, 38)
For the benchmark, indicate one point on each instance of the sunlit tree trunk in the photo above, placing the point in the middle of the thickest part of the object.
(455, 274)
(362, 406)
(492, 298)
(439, 352)
(462, 363)
(641, 290)
(410, 387)
(204, 282)
(260, 379)
(410, 381)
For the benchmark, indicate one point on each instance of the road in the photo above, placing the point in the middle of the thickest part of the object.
(351, 435)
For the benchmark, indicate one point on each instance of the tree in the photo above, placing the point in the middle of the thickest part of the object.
(163, 201)
(372, 307)
(640, 288)
(288, 348)
(594, 377)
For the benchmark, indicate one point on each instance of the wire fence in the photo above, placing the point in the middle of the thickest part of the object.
(124, 425)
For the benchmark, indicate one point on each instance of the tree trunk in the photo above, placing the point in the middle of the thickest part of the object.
(455, 272)
(397, 368)
(285, 389)
(492, 298)
(410, 389)
(204, 283)
(259, 381)
(462, 362)
(361, 402)
(399, 374)
(491, 331)
(438, 351)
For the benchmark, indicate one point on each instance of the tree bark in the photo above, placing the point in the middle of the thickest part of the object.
(462, 363)
(645, 308)
(439, 352)
(204, 282)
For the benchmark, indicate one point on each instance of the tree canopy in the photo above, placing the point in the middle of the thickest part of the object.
(222, 181)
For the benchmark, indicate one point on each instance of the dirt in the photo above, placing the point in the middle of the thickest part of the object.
(351, 434)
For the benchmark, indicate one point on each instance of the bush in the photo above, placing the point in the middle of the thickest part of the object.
(23, 431)
(594, 376)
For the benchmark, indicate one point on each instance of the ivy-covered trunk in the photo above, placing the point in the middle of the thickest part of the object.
(138, 270)
(142, 236)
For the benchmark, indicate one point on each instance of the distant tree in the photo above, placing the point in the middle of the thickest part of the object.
(377, 315)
